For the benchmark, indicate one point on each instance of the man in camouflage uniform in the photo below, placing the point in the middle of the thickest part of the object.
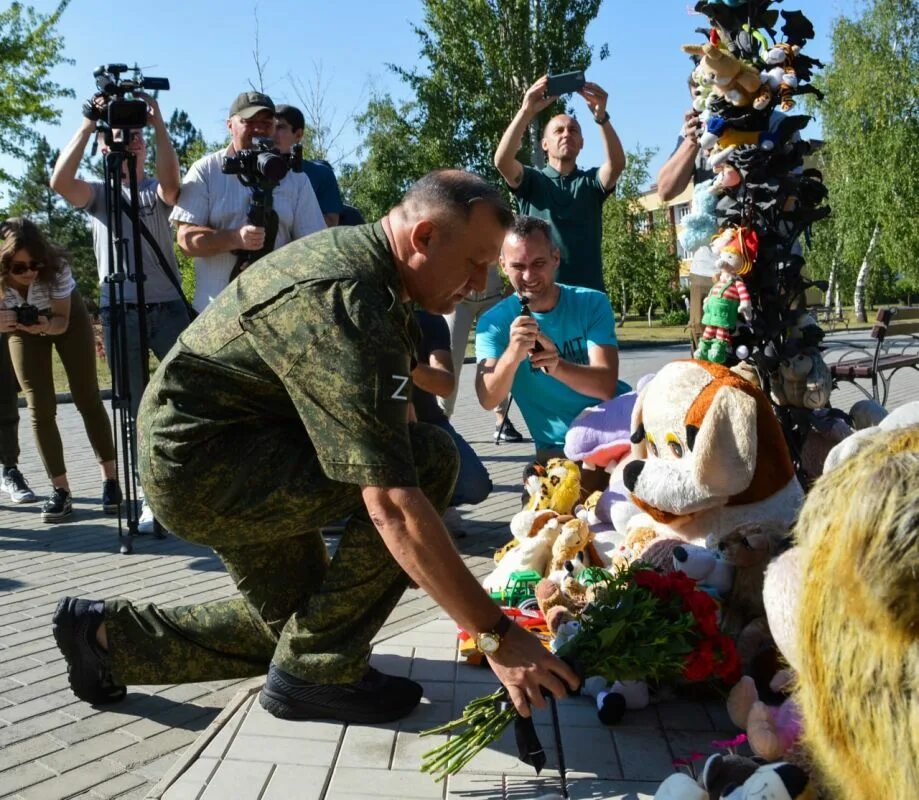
(285, 406)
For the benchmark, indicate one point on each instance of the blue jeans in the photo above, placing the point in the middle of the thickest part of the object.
(165, 321)
(473, 484)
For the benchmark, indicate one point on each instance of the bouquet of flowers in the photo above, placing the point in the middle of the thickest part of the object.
(641, 626)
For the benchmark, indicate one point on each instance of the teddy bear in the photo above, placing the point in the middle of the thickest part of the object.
(802, 381)
(730, 77)
(904, 416)
(749, 549)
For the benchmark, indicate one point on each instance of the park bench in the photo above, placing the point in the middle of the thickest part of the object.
(896, 347)
(829, 316)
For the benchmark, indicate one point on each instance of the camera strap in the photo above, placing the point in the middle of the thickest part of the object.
(164, 265)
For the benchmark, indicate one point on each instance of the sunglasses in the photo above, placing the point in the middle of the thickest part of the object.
(22, 267)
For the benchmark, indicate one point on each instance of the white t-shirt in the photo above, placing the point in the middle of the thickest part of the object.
(41, 294)
(219, 201)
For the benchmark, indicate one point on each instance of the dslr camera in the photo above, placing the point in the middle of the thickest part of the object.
(263, 166)
(120, 112)
(27, 314)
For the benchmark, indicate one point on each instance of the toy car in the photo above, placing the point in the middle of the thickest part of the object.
(521, 586)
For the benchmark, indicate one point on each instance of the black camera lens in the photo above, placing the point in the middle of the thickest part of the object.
(272, 166)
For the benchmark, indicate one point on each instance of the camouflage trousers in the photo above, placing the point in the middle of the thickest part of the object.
(260, 507)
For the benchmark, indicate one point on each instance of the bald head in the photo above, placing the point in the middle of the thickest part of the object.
(562, 140)
(560, 120)
(449, 195)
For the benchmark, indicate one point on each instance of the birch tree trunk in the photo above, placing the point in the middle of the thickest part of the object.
(862, 280)
(831, 291)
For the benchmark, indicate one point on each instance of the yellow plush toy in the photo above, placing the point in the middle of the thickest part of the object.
(572, 539)
(732, 78)
(558, 489)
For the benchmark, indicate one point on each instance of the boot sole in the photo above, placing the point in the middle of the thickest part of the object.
(279, 706)
(64, 634)
(56, 517)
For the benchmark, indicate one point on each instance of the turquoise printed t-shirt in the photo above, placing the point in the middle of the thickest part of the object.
(582, 318)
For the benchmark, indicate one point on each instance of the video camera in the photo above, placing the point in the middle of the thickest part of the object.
(263, 165)
(120, 112)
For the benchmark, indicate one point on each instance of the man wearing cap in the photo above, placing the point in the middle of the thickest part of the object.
(289, 129)
(211, 212)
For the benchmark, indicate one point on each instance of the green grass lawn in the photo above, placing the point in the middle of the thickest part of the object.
(634, 333)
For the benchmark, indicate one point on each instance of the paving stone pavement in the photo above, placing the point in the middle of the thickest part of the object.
(53, 746)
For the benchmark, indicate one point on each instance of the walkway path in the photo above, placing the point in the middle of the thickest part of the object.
(52, 746)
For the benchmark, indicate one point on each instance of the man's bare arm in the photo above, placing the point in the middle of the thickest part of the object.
(436, 376)
(64, 178)
(201, 241)
(676, 174)
(506, 155)
(417, 539)
(598, 378)
(612, 167)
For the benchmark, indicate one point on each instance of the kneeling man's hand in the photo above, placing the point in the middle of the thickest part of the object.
(546, 359)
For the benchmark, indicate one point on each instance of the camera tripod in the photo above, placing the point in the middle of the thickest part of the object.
(116, 160)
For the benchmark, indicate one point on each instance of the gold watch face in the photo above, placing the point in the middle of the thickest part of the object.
(488, 642)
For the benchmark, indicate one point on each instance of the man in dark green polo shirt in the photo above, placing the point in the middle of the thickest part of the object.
(568, 198)
(284, 407)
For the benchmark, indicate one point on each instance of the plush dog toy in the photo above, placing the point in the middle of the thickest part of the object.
(704, 566)
(709, 455)
(738, 778)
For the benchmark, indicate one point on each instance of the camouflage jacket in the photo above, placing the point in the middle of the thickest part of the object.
(314, 332)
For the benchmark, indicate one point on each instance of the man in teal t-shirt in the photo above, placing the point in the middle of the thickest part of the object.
(568, 198)
(578, 365)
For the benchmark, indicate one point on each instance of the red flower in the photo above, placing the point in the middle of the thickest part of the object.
(700, 663)
(705, 610)
(729, 667)
(681, 583)
(650, 580)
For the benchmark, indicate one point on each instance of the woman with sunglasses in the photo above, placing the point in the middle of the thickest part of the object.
(34, 274)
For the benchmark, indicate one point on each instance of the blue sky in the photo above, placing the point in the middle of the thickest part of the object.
(205, 49)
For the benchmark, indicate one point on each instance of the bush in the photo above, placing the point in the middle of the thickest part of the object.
(674, 317)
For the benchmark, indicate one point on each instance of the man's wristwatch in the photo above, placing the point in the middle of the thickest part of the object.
(488, 642)
(603, 120)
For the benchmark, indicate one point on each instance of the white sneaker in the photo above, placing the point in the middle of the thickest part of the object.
(145, 523)
(16, 486)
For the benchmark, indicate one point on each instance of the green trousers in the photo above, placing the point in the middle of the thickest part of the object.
(260, 507)
(9, 408)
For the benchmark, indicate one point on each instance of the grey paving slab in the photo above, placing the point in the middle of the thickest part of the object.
(53, 746)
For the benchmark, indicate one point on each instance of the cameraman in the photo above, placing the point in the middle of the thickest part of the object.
(166, 308)
(212, 211)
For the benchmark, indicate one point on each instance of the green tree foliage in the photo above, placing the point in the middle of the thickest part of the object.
(479, 57)
(29, 50)
(33, 197)
(640, 265)
(187, 140)
(871, 123)
(396, 155)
